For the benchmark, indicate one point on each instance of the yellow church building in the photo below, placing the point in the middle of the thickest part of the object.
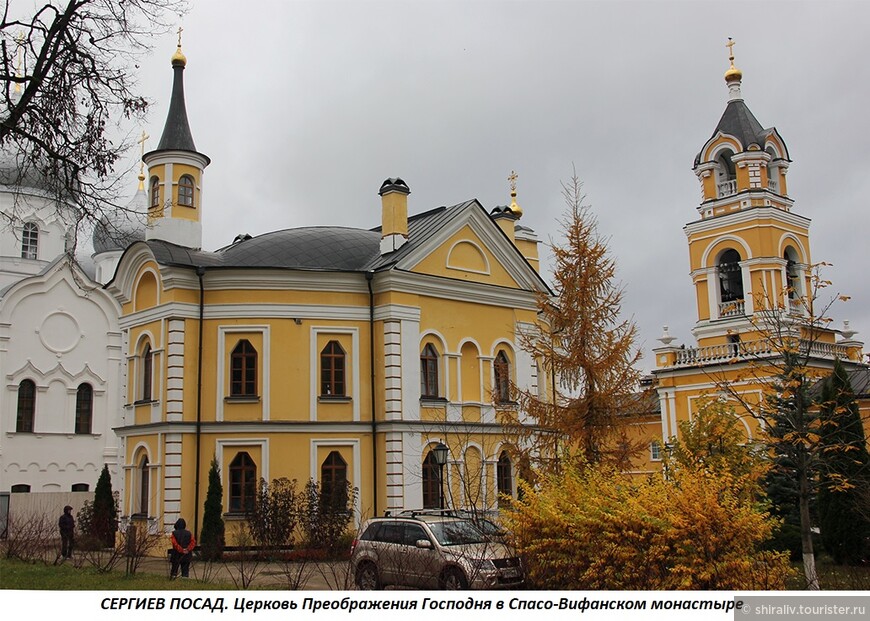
(327, 353)
(750, 262)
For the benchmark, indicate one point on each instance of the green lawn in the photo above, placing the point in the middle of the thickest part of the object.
(21, 575)
(39, 576)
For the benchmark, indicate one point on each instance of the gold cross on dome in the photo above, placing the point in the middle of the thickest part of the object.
(142, 140)
(512, 178)
(180, 30)
(730, 46)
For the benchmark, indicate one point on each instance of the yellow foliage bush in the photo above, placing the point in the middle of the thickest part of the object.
(592, 527)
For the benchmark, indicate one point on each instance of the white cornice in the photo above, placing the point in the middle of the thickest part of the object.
(746, 216)
(274, 280)
(397, 311)
(305, 427)
(248, 311)
(457, 290)
(746, 195)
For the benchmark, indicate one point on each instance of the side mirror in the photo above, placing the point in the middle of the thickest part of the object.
(424, 543)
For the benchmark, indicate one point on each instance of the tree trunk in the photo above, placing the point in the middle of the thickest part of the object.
(806, 531)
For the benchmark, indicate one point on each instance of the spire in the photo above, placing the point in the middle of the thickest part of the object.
(176, 133)
(733, 76)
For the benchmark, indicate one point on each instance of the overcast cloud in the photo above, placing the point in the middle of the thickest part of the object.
(306, 107)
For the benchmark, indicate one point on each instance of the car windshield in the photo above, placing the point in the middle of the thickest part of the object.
(456, 533)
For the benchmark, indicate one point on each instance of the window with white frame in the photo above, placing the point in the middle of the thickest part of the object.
(30, 241)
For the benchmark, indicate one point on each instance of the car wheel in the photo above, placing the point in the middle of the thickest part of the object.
(367, 577)
(453, 580)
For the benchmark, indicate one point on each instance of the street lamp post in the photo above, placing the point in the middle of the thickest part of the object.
(440, 452)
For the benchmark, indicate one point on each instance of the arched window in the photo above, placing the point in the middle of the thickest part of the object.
(84, 408)
(243, 483)
(429, 372)
(333, 482)
(332, 370)
(726, 175)
(772, 170)
(431, 482)
(243, 370)
(504, 479)
(80, 487)
(146, 375)
(30, 241)
(792, 275)
(502, 370)
(144, 485)
(730, 276)
(154, 192)
(26, 407)
(20, 488)
(185, 191)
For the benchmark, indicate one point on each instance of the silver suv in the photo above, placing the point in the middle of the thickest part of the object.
(429, 552)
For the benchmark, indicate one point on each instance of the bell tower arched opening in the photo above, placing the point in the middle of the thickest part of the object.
(731, 291)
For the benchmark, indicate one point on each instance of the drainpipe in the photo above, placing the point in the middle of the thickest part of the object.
(200, 272)
(369, 276)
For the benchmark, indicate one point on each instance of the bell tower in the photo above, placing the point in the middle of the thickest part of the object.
(748, 250)
(175, 172)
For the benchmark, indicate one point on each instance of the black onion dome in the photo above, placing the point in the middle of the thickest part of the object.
(309, 248)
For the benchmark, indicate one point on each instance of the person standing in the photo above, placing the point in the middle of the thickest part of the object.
(67, 526)
(182, 550)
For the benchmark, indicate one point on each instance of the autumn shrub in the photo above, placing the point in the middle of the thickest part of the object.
(593, 527)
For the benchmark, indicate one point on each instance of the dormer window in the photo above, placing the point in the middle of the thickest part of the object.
(185, 191)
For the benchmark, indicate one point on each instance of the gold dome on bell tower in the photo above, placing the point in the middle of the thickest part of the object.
(733, 74)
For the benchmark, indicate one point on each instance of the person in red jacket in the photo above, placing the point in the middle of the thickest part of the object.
(182, 550)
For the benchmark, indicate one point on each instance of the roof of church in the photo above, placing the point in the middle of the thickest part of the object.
(738, 121)
(315, 248)
(176, 132)
(859, 378)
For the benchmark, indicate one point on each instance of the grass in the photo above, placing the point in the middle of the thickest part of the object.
(20, 575)
(832, 577)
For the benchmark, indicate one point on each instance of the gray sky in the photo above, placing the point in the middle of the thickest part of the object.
(306, 107)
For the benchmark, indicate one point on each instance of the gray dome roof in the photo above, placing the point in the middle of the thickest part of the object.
(19, 174)
(125, 227)
(314, 248)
